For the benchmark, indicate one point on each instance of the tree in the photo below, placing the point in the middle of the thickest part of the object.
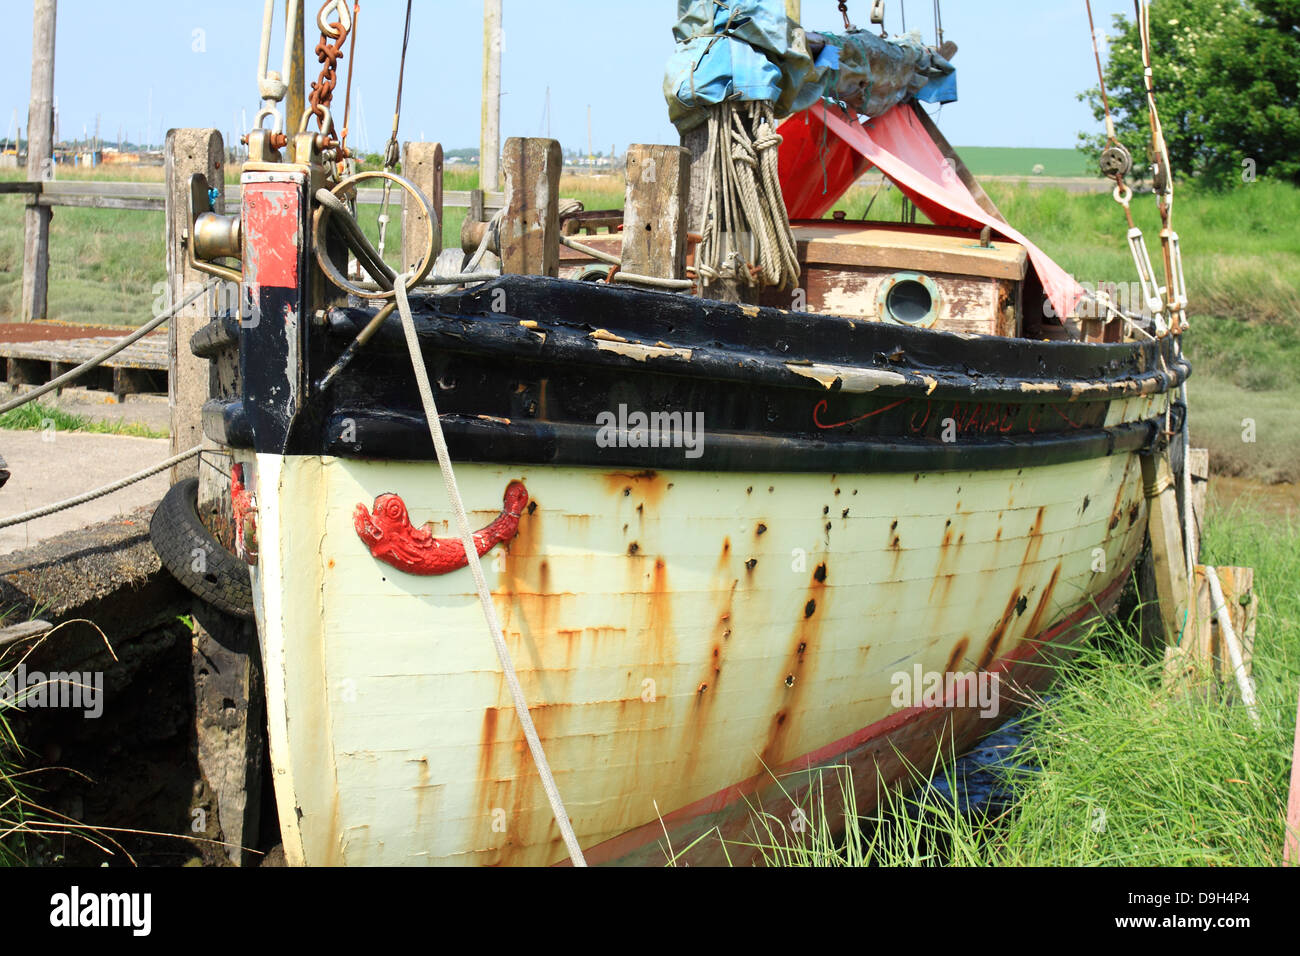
(1227, 82)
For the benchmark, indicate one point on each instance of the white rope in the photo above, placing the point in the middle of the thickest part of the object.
(476, 568)
(105, 355)
(100, 492)
(743, 196)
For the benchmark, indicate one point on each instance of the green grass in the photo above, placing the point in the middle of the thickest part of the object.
(1011, 161)
(1125, 773)
(35, 416)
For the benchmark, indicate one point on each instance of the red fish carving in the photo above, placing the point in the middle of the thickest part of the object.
(392, 539)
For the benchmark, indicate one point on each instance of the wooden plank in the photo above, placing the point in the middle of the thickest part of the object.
(40, 163)
(103, 202)
(530, 234)
(1167, 559)
(21, 187)
(422, 165)
(918, 249)
(149, 353)
(1198, 466)
(654, 213)
(26, 631)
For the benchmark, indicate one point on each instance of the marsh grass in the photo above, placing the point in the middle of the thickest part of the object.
(35, 416)
(1113, 769)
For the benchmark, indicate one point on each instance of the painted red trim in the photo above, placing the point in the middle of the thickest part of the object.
(244, 508)
(392, 539)
(272, 230)
(628, 842)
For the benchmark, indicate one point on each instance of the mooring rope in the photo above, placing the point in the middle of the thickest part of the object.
(476, 568)
(743, 196)
(100, 492)
(105, 355)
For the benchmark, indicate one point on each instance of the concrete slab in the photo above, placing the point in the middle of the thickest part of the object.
(51, 466)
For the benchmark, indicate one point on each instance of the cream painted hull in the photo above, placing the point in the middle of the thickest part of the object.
(675, 635)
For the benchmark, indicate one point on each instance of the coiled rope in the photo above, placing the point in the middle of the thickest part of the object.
(743, 197)
(476, 568)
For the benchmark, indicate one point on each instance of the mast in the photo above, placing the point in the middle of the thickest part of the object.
(489, 151)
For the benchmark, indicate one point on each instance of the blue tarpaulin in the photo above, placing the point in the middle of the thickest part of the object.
(750, 50)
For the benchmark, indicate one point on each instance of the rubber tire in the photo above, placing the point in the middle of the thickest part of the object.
(176, 532)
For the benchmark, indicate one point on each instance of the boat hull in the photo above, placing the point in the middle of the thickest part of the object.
(685, 640)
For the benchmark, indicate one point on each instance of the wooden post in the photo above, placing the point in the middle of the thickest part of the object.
(40, 162)
(1203, 649)
(1198, 467)
(490, 129)
(654, 212)
(422, 165)
(188, 151)
(1167, 556)
(792, 10)
(530, 232)
(295, 100)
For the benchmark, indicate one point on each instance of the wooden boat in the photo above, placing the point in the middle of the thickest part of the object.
(705, 604)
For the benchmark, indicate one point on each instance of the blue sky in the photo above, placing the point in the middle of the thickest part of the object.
(1019, 67)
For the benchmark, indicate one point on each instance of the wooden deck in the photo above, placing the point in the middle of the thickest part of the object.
(140, 367)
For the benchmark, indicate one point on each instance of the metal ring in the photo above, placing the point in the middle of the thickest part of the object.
(1122, 193)
(323, 213)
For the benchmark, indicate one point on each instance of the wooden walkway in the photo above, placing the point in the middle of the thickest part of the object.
(140, 367)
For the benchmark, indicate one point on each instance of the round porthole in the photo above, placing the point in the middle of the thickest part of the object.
(909, 298)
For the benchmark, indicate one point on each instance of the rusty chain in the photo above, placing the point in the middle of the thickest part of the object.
(329, 50)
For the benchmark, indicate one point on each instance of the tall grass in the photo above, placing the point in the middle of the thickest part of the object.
(1114, 769)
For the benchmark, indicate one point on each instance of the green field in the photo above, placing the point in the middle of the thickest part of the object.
(1008, 161)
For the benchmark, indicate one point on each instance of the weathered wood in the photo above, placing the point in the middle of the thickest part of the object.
(422, 165)
(25, 371)
(490, 125)
(1167, 559)
(40, 162)
(188, 151)
(1203, 649)
(150, 352)
(26, 631)
(56, 193)
(103, 202)
(135, 381)
(229, 714)
(295, 100)
(654, 214)
(530, 233)
(1198, 467)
